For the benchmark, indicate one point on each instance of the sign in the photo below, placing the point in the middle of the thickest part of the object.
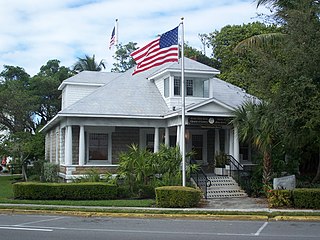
(208, 121)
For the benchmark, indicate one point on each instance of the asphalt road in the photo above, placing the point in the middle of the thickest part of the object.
(34, 227)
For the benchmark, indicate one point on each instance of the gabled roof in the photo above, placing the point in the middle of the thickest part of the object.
(90, 78)
(125, 95)
(190, 66)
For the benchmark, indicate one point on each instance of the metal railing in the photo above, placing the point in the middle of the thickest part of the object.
(201, 179)
(240, 174)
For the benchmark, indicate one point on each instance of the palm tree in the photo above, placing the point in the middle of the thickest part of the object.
(88, 64)
(254, 125)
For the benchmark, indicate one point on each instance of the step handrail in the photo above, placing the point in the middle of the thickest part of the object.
(234, 164)
(200, 173)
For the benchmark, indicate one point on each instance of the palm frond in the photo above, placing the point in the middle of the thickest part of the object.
(261, 40)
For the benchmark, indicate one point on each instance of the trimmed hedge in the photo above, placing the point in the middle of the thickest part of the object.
(306, 198)
(297, 198)
(177, 196)
(64, 191)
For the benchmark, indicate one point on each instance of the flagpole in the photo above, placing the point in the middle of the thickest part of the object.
(117, 32)
(183, 144)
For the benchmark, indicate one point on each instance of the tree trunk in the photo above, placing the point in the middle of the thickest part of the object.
(266, 170)
(317, 177)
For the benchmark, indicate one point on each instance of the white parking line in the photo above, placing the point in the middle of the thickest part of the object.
(45, 220)
(27, 229)
(260, 229)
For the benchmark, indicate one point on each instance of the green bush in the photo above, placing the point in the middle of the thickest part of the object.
(146, 191)
(50, 172)
(280, 198)
(64, 191)
(297, 198)
(307, 198)
(177, 196)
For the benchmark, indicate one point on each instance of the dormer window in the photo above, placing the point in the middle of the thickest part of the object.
(194, 87)
(189, 87)
(177, 86)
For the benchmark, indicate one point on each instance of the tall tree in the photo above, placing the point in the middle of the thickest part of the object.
(255, 125)
(237, 69)
(88, 64)
(44, 87)
(17, 103)
(122, 56)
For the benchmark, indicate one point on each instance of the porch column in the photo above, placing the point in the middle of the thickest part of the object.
(236, 144)
(231, 142)
(156, 140)
(166, 137)
(216, 142)
(62, 142)
(226, 141)
(81, 146)
(68, 146)
(57, 146)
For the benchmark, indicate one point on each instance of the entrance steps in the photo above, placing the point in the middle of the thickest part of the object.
(223, 187)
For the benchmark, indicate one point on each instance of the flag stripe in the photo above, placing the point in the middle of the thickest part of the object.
(159, 51)
(113, 37)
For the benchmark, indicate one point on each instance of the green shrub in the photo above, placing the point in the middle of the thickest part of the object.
(280, 198)
(64, 191)
(124, 192)
(177, 196)
(307, 198)
(146, 191)
(50, 172)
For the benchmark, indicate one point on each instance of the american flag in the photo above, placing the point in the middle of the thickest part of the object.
(159, 51)
(113, 37)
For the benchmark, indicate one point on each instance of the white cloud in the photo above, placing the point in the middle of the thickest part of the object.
(35, 31)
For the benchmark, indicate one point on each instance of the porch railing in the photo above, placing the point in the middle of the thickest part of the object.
(239, 173)
(201, 179)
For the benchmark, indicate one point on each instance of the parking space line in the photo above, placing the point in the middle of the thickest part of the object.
(260, 229)
(39, 221)
(26, 229)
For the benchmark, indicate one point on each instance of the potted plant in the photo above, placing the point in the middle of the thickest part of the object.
(220, 164)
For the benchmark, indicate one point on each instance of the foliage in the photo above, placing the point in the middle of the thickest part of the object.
(177, 196)
(122, 56)
(140, 169)
(237, 69)
(64, 191)
(44, 88)
(88, 64)
(90, 176)
(198, 56)
(220, 160)
(297, 198)
(50, 172)
(306, 198)
(255, 125)
(280, 198)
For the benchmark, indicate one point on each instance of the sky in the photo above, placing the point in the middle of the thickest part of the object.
(36, 31)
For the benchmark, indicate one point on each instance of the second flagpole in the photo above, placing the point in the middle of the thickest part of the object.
(183, 144)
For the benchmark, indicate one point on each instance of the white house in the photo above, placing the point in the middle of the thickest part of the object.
(103, 113)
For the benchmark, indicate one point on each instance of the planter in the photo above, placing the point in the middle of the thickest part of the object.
(220, 171)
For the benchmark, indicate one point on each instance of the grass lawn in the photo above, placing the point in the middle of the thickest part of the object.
(6, 196)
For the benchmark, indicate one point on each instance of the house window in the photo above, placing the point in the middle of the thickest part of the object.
(189, 87)
(177, 86)
(98, 146)
(166, 87)
(206, 88)
(197, 146)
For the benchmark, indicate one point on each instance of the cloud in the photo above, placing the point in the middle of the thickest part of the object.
(35, 31)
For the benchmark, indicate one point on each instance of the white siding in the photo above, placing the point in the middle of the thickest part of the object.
(73, 93)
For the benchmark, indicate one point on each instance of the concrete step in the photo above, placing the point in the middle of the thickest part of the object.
(222, 187)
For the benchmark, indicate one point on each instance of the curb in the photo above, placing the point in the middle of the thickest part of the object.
(208, 214)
